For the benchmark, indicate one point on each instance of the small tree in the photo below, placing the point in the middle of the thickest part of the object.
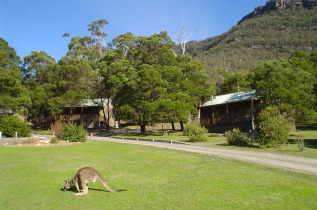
(58, 128)
(11, 124)
(237, 138)
(195, 132)
(272, 129)
(74, 133)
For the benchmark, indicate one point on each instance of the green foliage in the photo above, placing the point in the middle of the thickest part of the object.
(13, 95)
(272, 129)
(54, 140)
(237, 138)
(153, 83)
(288, 85)
(11, 124)
(240, 81)
(195, 132)
(74, 133)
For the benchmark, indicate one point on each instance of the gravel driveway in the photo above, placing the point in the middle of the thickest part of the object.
(5, 140)
(286, 162)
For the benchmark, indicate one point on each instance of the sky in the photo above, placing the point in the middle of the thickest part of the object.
(38, 25)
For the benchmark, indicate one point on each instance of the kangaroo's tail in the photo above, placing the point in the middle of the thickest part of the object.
(107, 186)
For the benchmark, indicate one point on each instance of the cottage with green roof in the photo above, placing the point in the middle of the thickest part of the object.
(225, 112)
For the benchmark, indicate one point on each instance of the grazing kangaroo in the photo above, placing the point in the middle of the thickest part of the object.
(81, 179)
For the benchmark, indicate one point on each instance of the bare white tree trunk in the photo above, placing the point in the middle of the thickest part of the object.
(182, 38)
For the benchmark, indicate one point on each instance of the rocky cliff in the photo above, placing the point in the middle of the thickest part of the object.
(280, 5)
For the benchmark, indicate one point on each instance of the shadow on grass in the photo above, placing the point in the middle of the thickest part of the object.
(307, 127)
(310, 143)
(149, 133)
(74, 189)
(246, 146)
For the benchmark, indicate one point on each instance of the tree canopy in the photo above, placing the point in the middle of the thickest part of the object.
(13, 95)
(289, 85)
(154, 83)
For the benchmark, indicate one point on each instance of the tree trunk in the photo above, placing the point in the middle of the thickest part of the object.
(108, 112)
(182, 125)
(173, 126)
(143, 128)
(104, 114)
(104, 117)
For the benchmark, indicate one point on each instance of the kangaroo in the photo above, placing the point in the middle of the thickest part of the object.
(81, 179)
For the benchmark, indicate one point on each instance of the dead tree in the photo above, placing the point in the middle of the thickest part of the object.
(182, 38)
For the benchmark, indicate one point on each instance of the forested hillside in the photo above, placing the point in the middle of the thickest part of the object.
(271, 35)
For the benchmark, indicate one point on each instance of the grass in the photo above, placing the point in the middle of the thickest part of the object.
(43, 132)
(306, 132)
(32, 178)
(172, 135)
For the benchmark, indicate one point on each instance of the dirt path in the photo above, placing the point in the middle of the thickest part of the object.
(286, 162)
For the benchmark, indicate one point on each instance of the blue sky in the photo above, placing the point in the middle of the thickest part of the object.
(38, 25)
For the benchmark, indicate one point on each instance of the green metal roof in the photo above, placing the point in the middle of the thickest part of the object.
(231, 98)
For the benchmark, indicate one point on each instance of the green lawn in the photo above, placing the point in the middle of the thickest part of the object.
(174, 136)
(32, 178)
(308, 133)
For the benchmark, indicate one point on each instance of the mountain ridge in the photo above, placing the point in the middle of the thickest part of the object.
(280, 5)
(270, 35)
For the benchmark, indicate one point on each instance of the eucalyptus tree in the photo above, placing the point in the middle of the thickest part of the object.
(92, 49)
(288, 85)
(13, 95)
(41, 77)
(156, 84)
(143, 87)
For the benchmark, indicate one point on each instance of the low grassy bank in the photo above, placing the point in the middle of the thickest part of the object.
(306, 132)
(171, 136)
(32, 178)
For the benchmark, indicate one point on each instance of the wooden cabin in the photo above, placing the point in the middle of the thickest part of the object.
(89, 112)
(225, 112)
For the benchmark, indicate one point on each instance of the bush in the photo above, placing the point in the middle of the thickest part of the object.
(300, 143)
(11, 124)
(272, 129)
(195, 132)
(237, 138)
(74, 133)
(58, 128)
(53, 140)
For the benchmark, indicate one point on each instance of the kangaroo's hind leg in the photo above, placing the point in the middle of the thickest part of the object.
(85, 188)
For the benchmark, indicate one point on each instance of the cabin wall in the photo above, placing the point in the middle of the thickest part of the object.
(218, 118)
(90, 117)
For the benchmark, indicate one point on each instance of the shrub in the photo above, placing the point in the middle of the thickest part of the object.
(58, 128)
(195, 132)
(272, 129)
(11, 124)
(237, 138)
(53, 140)
(300, 143)
(74, 133)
